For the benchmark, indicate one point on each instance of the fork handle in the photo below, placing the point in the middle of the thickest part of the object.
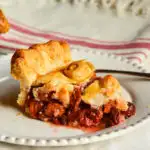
(133, 73)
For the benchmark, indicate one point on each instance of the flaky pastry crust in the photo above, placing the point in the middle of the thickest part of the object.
(4, 25)
(63, 81)
(39, 59)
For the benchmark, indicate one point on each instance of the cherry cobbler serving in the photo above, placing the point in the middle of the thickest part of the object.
(56, 89)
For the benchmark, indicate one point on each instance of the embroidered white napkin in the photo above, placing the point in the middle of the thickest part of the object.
(82, 23)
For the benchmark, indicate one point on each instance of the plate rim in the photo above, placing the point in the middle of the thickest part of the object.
(80, 139)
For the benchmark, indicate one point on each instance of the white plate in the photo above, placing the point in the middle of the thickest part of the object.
(19, 129)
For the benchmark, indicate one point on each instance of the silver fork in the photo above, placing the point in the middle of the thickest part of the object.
(133, 73)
